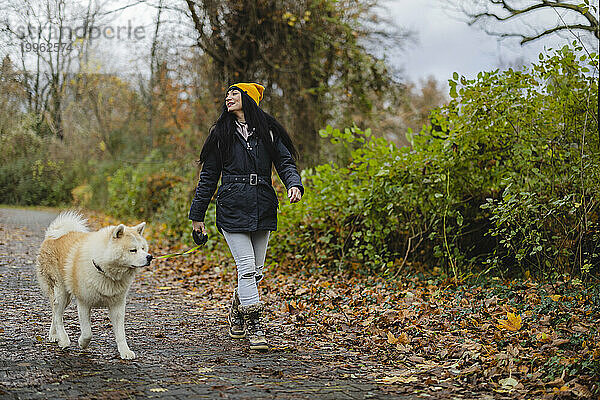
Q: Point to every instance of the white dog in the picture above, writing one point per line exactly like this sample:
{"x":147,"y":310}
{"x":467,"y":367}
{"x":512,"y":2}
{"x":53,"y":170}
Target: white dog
{"x":97,"y":268}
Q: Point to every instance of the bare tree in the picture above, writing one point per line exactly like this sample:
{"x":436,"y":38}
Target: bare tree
{"x":571,"y":15}
{"x":48,"y":45}
{"x":12,"y":96}
{"x":154,"y":65}
{"x":313,"y":55}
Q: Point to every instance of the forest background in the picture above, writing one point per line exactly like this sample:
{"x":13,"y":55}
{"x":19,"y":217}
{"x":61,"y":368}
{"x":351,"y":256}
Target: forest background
{"x":414,"y":190}
{"x":500,"y":176}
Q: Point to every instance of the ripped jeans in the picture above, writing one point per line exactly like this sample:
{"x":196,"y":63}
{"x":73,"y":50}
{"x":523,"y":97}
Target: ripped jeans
{"x":249,"y":250}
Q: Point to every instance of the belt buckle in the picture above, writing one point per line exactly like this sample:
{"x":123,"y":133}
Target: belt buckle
{"x":253,"y":179}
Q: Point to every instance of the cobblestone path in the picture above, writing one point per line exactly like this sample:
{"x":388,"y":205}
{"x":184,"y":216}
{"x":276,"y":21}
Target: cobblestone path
{"x":182,"y":352}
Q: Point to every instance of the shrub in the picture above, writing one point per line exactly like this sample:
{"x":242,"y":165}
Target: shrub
{"x":28,"y":176}
{"x":523,"y":144}
{"x":138,"y":191}
{"x":173,"y":214}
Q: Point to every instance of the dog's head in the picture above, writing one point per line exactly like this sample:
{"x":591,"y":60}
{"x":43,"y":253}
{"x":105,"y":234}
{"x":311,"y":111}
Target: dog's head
{"x":128,"y":246}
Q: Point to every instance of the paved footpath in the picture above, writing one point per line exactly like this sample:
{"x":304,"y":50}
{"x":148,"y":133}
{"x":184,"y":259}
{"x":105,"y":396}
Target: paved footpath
{"x":182,"y":352}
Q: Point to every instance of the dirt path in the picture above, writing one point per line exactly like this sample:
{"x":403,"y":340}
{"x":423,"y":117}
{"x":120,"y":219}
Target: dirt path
{"x":182,"y":352}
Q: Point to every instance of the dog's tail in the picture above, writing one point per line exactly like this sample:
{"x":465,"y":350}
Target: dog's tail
{"x":68,"y":221}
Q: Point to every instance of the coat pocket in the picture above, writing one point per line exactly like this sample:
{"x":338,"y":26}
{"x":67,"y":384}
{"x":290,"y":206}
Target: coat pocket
{"x":233,"y":207}
{"x":227,"y":191}
{"x":267,"y":201}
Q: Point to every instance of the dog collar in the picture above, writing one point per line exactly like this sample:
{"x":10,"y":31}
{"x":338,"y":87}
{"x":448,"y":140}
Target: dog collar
{"x":97,"y":267}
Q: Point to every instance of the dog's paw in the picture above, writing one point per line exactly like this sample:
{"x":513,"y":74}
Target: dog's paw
{"x":84,"y":342}
{"x":63,"y":344}
{"x":127,"y":354}
{"x":52,"y":338}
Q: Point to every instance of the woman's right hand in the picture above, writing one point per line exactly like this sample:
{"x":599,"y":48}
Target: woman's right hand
{"x":199,"y":227}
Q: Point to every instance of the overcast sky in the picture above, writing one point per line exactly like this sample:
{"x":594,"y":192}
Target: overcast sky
{"x":446,"y":44}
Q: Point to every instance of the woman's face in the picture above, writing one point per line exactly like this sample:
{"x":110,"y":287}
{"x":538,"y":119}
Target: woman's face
{"x":233,"y":101}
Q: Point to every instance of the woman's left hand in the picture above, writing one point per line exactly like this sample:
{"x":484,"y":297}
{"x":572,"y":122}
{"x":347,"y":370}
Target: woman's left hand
{"x":294,"y":194}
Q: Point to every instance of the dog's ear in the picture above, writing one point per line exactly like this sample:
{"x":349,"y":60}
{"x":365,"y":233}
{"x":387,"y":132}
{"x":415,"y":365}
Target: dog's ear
{"x":118,"y":231}
{"x":140,"y":228}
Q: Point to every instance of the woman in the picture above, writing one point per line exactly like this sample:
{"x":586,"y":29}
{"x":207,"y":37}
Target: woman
{"x":241,"y":148}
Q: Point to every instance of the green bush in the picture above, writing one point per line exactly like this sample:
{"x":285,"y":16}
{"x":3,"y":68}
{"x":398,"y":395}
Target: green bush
{"x":160,"y":192}
{"x":28,"y":176}
{"x":174,"y":215}
{"x":138,"y":191}
{"x":369,"y":214}
{"x":522,"y":144}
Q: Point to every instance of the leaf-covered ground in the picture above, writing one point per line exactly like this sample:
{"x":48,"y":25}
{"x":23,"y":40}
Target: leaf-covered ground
{"x":510,"y":338}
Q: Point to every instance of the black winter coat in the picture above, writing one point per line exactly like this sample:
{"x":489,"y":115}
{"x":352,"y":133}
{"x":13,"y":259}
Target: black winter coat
{"x":245,"y":203}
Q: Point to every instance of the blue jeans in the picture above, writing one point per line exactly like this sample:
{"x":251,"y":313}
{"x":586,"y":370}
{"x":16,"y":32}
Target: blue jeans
{"x":248,"y":250}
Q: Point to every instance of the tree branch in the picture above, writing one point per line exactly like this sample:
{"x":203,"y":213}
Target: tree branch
{"x":513,"y":12}
{"x":199,"y":29}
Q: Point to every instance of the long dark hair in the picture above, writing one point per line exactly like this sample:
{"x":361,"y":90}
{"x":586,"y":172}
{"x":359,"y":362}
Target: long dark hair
{"x":221,"y":133}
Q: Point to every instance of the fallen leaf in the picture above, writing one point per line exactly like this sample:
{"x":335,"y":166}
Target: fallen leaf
{"x":204,"y":370}
{"x":508,"y":383}
{"x":159,"y":390}
{"x":391,"y":338}
{"x":558,"y":382}
{"x":543,"y":337}
{"x":559,"y":342}
{"x":523,"y":369}
{"x":391,"y":316}
{"x":302,"y":290}
{"x":403,"y":338}
{"x":511,"y":323}
{"x":388,"y":380}
{"x":367,"y":321}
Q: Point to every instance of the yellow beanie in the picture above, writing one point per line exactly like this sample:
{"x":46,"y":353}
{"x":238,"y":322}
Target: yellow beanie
{"x":254,"y":90}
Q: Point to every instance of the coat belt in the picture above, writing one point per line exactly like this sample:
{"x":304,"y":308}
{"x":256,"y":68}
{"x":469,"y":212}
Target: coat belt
{"x":252,"y":179}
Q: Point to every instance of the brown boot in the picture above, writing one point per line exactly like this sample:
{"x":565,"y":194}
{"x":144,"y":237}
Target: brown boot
{"x":237,"y":330}
{"x":254,"y":327}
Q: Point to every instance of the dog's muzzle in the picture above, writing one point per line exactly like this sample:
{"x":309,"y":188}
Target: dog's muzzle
{"x":148,"y":259}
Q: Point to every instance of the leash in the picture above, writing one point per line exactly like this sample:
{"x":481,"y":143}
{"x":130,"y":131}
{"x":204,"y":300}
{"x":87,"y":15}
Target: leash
{"x":190,"y":251}
{"x":199,"y":240}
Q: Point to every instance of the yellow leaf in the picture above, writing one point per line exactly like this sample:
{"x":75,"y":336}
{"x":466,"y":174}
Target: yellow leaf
{"x":403,"y":338}
{"x":204,"y":370}
{"x":555,"y":297}
{"x":543,"y":337}
{"x":515,"y":320}
{"x":512,"y":323}
{"x":391,"y":338}
{"x":159,"y":390}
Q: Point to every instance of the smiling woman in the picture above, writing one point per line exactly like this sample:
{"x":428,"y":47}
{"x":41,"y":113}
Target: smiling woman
{"x":242,"y":147}
{"x":233,"y":102}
